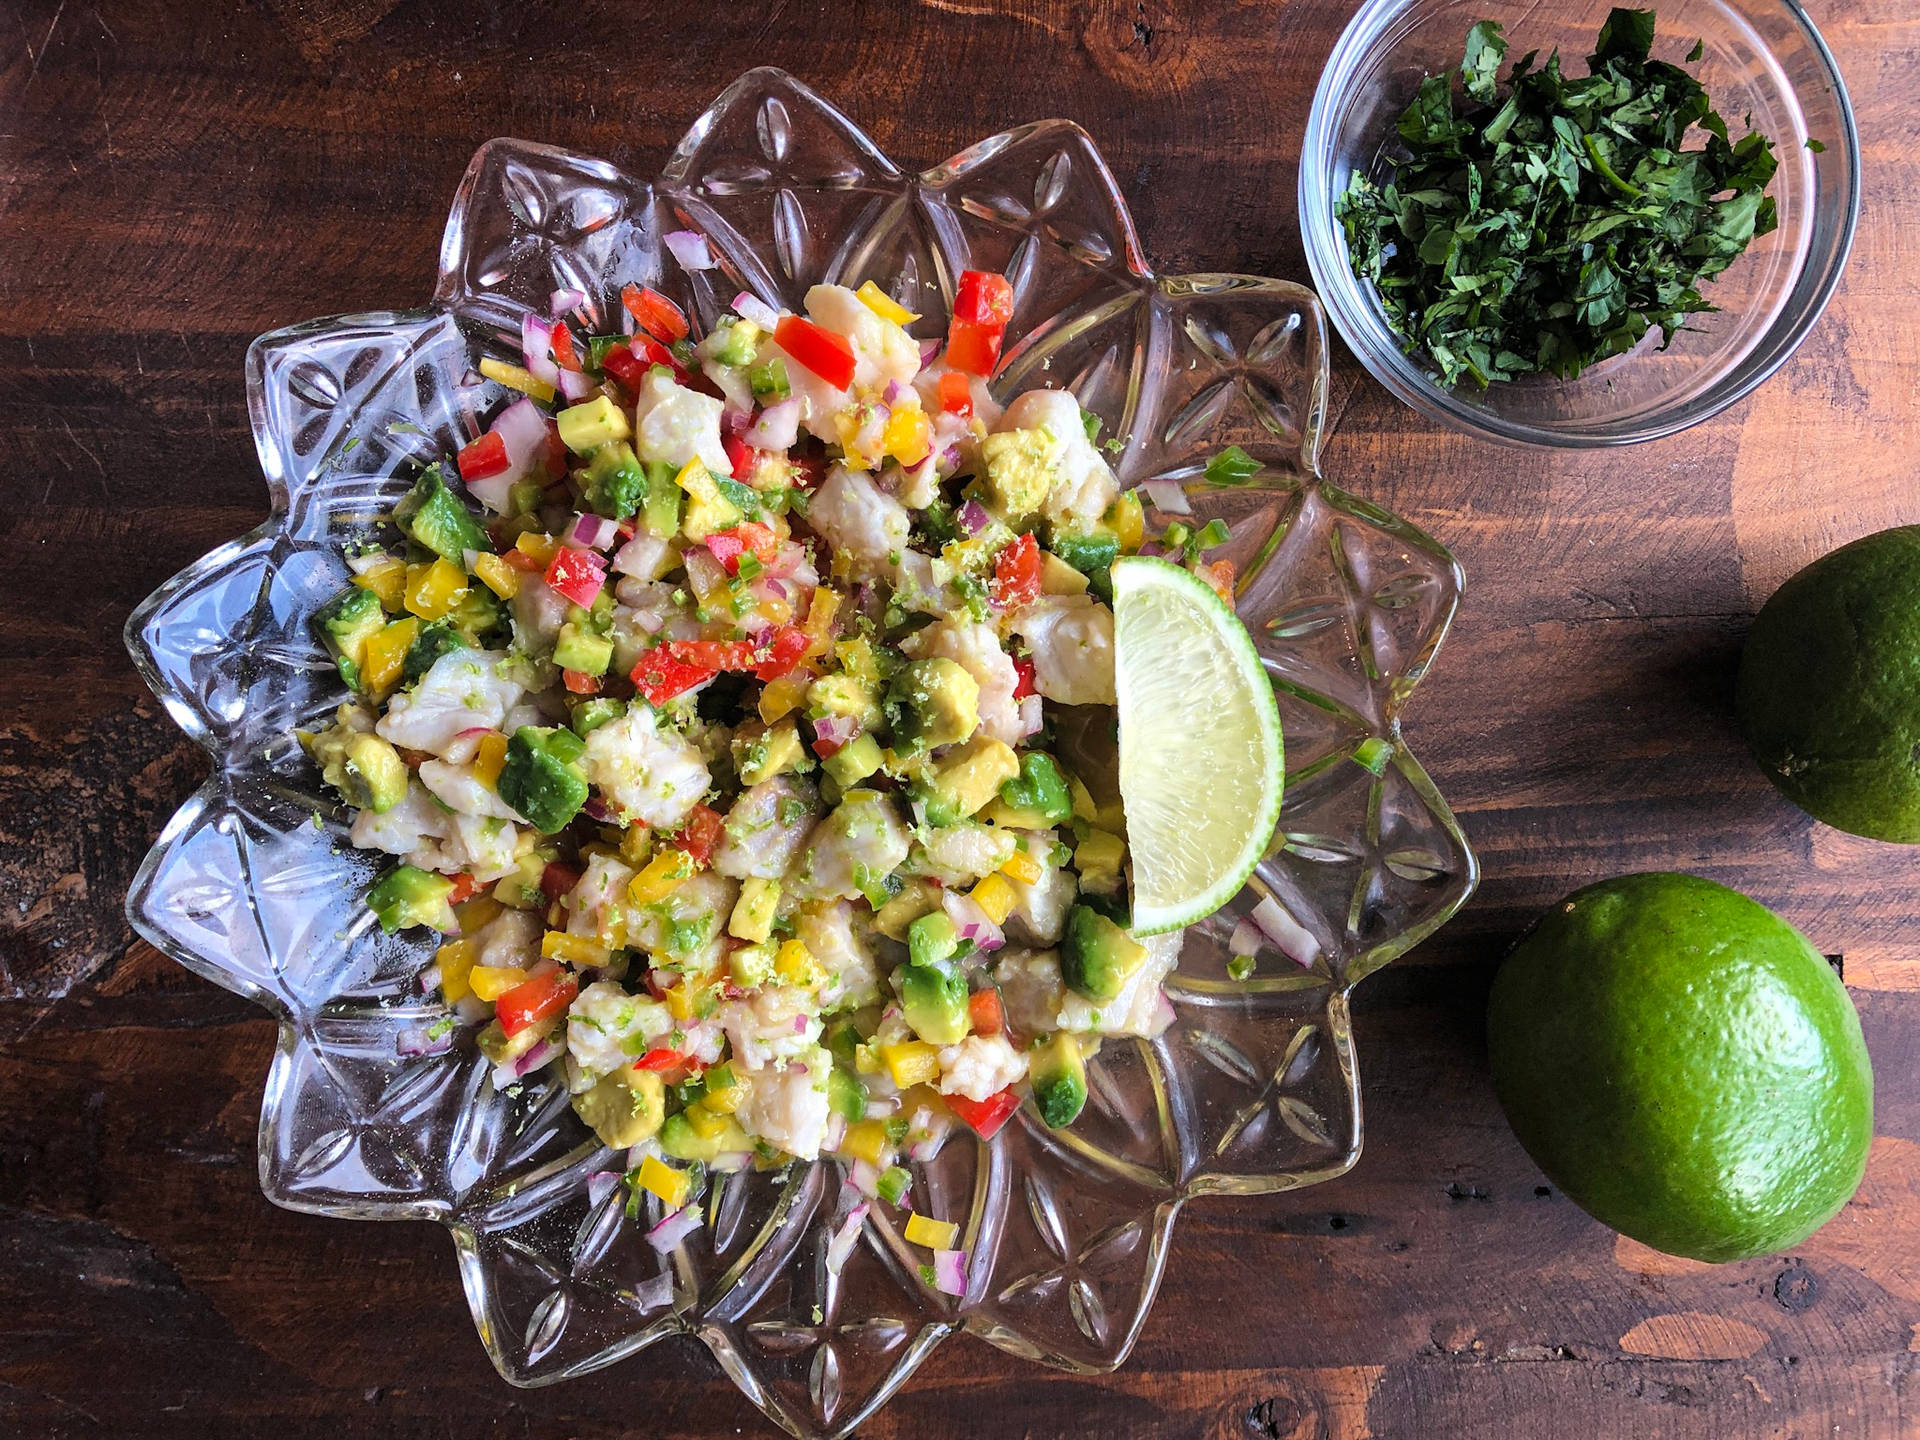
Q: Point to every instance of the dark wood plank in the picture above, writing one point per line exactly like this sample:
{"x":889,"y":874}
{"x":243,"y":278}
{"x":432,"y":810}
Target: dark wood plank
{"x":176,"y":178}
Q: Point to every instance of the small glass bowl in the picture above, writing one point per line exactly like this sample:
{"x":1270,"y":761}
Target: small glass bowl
{"x":1764,"y":66}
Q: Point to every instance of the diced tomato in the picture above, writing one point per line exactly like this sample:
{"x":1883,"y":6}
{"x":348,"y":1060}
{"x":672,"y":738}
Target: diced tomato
{"x":1023,"y":667}
{"x":564,"y":355}
{"x":973,"y":348}
{"x":956,"y":395}
{"x":578,"y":682}
{"x":740,"y":455}
{"x":485,"y":456}
{"x":700,"y":834}
{"x":714,"y":654}
{"x":984,"y":1116}
{"x":826,"y":354}
{"x":521,"y":560}
{"x":660,"y":675}
{"x":655,"y":313}
{"x":465,"y":887}
{"x":623,"y":365}
{"x":983,"y":1008}
{"x":1016,"y":574}
{"x":729,"y":545}
{"x":558,"y":879}
{"x":577,"y":574}
{"x":782,"y":653}
{"x":532,"y":1001}
{"x":983,"y":298}
{"x":556,"y":454}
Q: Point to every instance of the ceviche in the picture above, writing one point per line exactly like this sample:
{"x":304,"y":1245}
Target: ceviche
{"x":740,"y":708}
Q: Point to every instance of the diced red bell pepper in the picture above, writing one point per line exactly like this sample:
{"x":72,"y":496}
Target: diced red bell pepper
{"x":740,"y":455}
{"x":973,"y":348}
{"x":984,"y":1116}
{"x":826,"y":354}
{"x":555,"y":455}
{"x":564,"y":355}
{"x":520,"y":560}
{"x":983,"y":1009}
{"x":558,"y":879}
{"x":700,"y":834}
{"x":782,"y":653}
{"x":1016,"y":574}
{"x":465,"y":887}
{"x":659,"y":675}
{"x":578,"y":682}
{"x":485,"y":456}
{"x":1023,"y":667}
{"x":535,"y":1000}
{"x":714,"y":654}
{"x":655,"y":313}
{"x":956,"y":395}
{"x":670,"y":1065}
{"x":577,"y":574}
{"x":983,"y":297}
{"x":623,"y":365}
{"x":729,"y":545}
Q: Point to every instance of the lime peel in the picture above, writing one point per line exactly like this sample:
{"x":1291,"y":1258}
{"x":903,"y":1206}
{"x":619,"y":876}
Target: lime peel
{"x":1200,"y":745}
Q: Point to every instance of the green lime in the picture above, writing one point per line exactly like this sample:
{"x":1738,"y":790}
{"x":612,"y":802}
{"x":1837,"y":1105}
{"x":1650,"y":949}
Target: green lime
{"x":1829,"y":690}
{"x":1684,"y":1065}
{"x":1200,"y":770}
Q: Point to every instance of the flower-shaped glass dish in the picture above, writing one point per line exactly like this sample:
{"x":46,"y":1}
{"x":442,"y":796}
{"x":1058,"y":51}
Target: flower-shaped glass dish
{"x":1765,"y":67}
{"x":1252,"y":1089}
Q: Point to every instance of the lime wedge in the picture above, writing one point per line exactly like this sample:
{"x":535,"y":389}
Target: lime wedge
{"x":1200,"y":769}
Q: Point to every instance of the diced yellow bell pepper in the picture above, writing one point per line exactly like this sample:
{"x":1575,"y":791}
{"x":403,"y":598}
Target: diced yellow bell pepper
{"x":995,"y":896}
{"x":489,"y":759}
{"x":671,"y":1185}
{"x":385,"y":653}
{"x":793,"y":962}
{"x":515,"y":378}
{"x":864,"y":1060}
{"x":884,"y":305}
{"x":1129,"y":521}
{"x":934,"y":1234}
{"x":480,"y":911}
{"x":433,"y":590}
{"x":821,"y":611}
{"x":497,"y":575}
{"x":725,"y":1093}
{"x":847,"y":425}
{"x":538,"y":546}
{"x":752,"y":918}
{"x":866,"y":1140}
{"x":908,"y":436}
{"x":661,"y":877}
{"x":780,"y":698}
{"x":910,"y":1062}
{"x":574,"y":949}
{"x":680,"y":1000}
{"x":455,"y":959}
{"x":490,"y":982}
{"x":388,"y":581}
{"x":706,"y":1123}
{"x":1022,"y":867}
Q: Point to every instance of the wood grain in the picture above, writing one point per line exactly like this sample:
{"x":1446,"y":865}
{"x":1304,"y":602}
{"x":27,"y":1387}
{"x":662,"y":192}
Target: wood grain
{"x":177,"y":177}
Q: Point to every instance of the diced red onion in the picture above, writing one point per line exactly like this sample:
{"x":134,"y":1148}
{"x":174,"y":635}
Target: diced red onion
{"x":950,"y":1272}
{"x":674,"y":1228}
{"x":727,"y":1162}
{"x":928,"y":349}
{"x":800,"y":1023}
{"x":1168,"y":496}
{"x":600,"y":1184}
{"x":593,"y":532}
{"x":429,"y":979}
{"x":840,"y":1247}
{"x":577,"y":385}
{"x":689,"y":247}
{"x":733,"y":421}
{"x":471,"y":1009}
{"x":950,"y":457}
{"x":628,"y":324}
{"x":595,"y":808}
{"x":464,"y":746}
{"x":1288,"y":933}
{"x":361,"y":564}
{"x":538,"y":1056}
{"x":561,"y":301}
{"x":652,"y":1294}
{"x":892,"y":392}
{"x":1245,"y":939}
{"x":836,"y":730}
{"x":777,"y":427}
{"x":640,"y":556}
{"x":522,"y":428}
{"x":971,"y":921}
{"x":472,"y":380}
{"x":864,"y":1176}
{"x":415,"y":1040}
{"x":836,"y":1132}
{"x":1031,"y":715}
{"x":536,"y":349}
{"x":974,"y":517}
{"x":749,"y":306}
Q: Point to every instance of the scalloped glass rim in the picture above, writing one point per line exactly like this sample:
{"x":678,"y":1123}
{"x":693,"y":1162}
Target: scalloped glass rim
{"x":1254,"y":1087}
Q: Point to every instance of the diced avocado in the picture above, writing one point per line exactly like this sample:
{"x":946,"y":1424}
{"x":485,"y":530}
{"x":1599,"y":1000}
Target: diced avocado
{"x":660,"y":510}
{"x":931,"y":939}
{"x":590,"y":715}
{"x":844,"y":695}
{"x":932,"y":703}
{"x":624,"y":1107}
{"x":584,"y":428}
{"x":376,"y":776}
{"x":1092,"y":554}
{"x":733,"y":344}
{"x":1057,"y":577}
{"x":433,"y":516}
{"x":346,"y":623}
{"x":410,"y":896}
{"x":616,"y":481}
{"x":1059,"y":1075}
{"x":895,"y":919}
{"x":1020,"y":466}
{"x":436,"y":638}
{"x":1097,"y":957}
{"x":970,"y":778}
{"x":751,"y":966}
{"x":578,"y":648}
{"x":503,"y":1049}
{"x":774,"y":751}
{"x":541,"y":778}
{"x":842,"y":1038}
{"x":753,"y":912}
{"x":854,"y":761}
{"x":521,"y":890}
{"x":679,"y":1139}
{"x":933,"y":998}
{"x":708,"y":511}
{"x":1039,"y":789}
{"x":479,"y":615}
{"x":1098,"y":860}
{"x":846,"y":1096}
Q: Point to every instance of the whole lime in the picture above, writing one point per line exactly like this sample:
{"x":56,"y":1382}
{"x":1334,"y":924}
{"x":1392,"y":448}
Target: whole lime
{"x":1829,"y":688}
{"x":1684,"y":1065}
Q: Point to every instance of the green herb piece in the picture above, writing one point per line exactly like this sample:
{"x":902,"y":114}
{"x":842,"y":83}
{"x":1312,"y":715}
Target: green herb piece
{"x":1372,"y":754}
{"x":1232,"y":466}
{"x":1240,"y":967}
{"x":1549,"y":228}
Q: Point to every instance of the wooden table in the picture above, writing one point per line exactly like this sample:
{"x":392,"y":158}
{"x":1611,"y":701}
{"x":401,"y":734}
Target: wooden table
{"x":176,"y":177}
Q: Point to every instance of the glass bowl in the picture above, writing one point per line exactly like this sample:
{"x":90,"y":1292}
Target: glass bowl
{"x":1252,"y":1090}
{"x":1763,"y":59}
